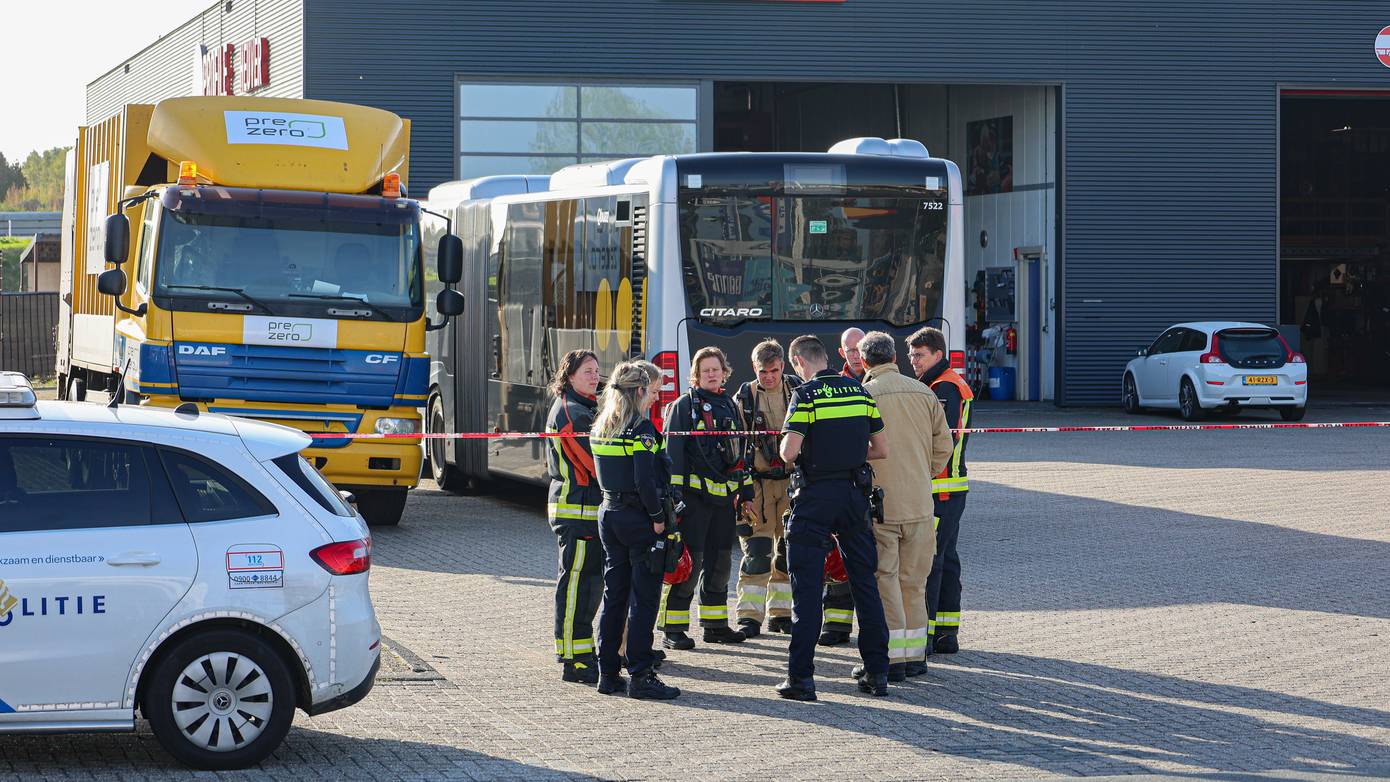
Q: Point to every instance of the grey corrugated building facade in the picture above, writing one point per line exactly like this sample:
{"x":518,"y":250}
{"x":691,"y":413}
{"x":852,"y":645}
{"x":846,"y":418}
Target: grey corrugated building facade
{"x":1145,"y":137}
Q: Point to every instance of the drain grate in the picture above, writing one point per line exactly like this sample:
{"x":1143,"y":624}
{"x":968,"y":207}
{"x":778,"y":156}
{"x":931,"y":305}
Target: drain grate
{"x":399,"y":664}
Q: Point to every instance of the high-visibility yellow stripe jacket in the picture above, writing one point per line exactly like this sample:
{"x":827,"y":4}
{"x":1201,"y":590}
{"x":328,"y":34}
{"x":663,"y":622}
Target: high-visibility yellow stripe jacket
{"x":957,"y":398}
{"x":574,"y":492}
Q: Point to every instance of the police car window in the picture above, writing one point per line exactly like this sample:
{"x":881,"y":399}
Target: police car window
{"x":207,"y":492}
{"x":69,"y":483}
{"x":313,"y":483}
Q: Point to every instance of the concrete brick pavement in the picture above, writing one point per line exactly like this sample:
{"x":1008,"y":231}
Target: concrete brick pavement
{"x":1169,"y":603}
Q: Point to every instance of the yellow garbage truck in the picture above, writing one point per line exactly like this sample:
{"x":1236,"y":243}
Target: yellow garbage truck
{"x":258,"y":257}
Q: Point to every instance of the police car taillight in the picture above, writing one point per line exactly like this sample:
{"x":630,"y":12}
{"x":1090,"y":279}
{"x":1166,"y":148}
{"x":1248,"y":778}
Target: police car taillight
{"x":345,"y":558}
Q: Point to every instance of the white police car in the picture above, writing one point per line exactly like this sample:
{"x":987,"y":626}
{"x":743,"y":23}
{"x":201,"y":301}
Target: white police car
{"x":193,"y":568}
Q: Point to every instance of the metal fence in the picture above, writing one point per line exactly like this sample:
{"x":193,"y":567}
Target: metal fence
{"x":29,"y":333}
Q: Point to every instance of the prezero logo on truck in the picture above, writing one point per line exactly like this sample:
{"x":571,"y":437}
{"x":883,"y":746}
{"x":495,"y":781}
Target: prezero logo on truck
{"x":279,"y":127}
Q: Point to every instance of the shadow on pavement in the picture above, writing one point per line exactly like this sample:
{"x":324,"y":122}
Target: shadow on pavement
{"x":1107,"y":720}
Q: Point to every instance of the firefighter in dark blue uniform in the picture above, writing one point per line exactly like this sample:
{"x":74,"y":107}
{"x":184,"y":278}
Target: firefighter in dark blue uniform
{"x":832,"y":430}
{"x":572,"y":510}
{"x":634,"y":474}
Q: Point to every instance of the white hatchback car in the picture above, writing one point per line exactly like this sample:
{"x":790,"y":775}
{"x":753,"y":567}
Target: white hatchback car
{"x":189,"y":566}
{"x":1226,"y":365}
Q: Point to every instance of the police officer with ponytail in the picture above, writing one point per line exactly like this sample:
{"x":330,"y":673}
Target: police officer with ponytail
{"x":634,"y":475}
{"x":707,"y":472}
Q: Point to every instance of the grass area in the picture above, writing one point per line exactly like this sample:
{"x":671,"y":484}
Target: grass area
{"x":10,"y":248}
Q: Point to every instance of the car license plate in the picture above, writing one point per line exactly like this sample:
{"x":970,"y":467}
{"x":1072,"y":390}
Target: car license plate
{"x":1261,"y":380}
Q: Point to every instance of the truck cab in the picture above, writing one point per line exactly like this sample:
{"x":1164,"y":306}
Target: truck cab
{"x":278,"y":281}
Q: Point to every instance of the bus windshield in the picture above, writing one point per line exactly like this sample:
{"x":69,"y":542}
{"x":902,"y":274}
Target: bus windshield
{"x":292,"y":264}
{"x":877,"y":256}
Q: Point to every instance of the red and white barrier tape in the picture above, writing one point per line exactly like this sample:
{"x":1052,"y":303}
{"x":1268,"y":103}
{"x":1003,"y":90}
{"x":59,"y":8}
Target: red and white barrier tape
{"x":985,"y":430}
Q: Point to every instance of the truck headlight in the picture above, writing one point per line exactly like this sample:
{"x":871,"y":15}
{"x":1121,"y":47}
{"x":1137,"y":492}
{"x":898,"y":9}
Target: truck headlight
{"x":397,"y":426}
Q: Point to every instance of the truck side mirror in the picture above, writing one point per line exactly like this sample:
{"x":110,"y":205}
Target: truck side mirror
{"x":449,"y":302}
{"x":450,"y":259}
{"x":117,"y":239}
{"x":112,"y":281}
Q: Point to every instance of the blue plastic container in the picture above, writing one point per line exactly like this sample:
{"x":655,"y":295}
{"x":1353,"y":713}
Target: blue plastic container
{"x":1003,"y":383}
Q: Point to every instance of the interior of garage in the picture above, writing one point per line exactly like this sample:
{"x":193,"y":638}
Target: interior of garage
{"x":1334,"y":237}
{"x":1003,"y":138}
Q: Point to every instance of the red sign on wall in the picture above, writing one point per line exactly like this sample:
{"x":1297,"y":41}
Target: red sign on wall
{"x":1383,"y":47}
{"x":217,"y":70}
{"x":254,"y":61}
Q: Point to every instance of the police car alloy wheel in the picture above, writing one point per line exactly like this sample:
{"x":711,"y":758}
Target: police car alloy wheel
{"x":220,"y":700}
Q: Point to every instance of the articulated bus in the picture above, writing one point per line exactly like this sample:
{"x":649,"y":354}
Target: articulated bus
{"x":657,"y":257}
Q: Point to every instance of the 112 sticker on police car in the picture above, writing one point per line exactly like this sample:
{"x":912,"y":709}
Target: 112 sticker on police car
{"x":255,"y":566}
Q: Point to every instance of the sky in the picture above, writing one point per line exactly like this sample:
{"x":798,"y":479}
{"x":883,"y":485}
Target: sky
{"x":53,"y":48}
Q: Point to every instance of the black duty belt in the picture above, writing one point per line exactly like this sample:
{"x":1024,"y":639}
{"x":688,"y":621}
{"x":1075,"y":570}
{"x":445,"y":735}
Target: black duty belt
{"x":772,"y":475}
{"x":833,"y":475}
{"x":622,"y":497}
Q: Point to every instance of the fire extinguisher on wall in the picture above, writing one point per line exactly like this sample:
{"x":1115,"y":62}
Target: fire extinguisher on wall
{"x":1011,"y":341}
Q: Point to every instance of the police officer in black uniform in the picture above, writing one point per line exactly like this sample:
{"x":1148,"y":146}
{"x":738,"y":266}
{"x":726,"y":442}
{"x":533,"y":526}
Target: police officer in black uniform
{"x":833,"y":428}
{"x":634,"y":473}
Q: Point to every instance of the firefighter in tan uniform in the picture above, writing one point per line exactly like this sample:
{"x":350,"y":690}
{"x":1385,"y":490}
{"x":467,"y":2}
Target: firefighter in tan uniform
{"x":764,"y":588}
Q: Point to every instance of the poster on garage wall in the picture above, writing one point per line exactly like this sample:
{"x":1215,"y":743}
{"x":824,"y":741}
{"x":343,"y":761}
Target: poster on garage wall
{"x":990,"y":156}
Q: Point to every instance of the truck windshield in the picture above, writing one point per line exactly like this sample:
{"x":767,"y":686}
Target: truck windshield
{"x":292,"y":265}
{"x":814,"y":257}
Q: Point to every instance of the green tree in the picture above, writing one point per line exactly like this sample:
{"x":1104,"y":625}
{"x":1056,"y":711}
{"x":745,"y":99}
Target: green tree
{"x":38,"y":186}
{"x":10,"y":177}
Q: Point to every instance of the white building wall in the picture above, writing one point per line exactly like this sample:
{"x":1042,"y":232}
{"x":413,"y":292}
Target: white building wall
{"x":167,"y":67}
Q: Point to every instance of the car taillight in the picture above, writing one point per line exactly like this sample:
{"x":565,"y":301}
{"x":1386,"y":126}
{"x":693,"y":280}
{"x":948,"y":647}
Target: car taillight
{"x":1212,"y":356}
{"x":957,"y":359}
{"x":1289,"y":355}
{"x":344,"y":558}
{"x":667,"y":362}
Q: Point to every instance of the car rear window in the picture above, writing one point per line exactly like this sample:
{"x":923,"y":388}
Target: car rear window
{"x":297,"y":469}
{"x":1239,"y":345}
{"x":208,"y":492}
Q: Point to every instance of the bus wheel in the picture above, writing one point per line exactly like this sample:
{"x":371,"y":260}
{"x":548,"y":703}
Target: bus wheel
{"x":381,"y":507}
{"x":449,"y":477}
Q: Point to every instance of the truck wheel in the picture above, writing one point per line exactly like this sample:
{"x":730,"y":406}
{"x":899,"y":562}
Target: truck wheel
{"x":381,"y":507}
{"x":449,"y":477}
{"x":220,"y":700}
{"x":77,"y":390}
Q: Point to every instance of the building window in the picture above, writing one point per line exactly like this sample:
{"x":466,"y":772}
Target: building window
{"x":510,"y":128}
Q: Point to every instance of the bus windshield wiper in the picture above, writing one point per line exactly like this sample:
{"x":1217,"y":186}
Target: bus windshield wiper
{"x":341,"y":297}
{"x":238,"y":291}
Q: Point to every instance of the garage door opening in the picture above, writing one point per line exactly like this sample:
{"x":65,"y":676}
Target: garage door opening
{"x":1334,"y":238}
{"x":1004,"y":140}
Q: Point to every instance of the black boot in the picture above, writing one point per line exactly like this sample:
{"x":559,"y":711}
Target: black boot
{"x":646,"y":686}
{"x":797,"y":689}
{"x":876,"y":683}
{"x":833,"y":637}
{"x":897,"y":672}
{"x":780,"y":624}
{"x":917,"y":668}
{"x":724,"y":635}
{"x":658,"y":657}
{"x":751,"y":628}
{"x":584,"y":673}
{"x":946,"y":644}
{"x":678,"y":640}
{"x":612,"y":684}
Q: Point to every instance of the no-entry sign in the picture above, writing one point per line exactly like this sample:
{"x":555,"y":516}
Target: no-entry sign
{"x":1383,"y":47}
